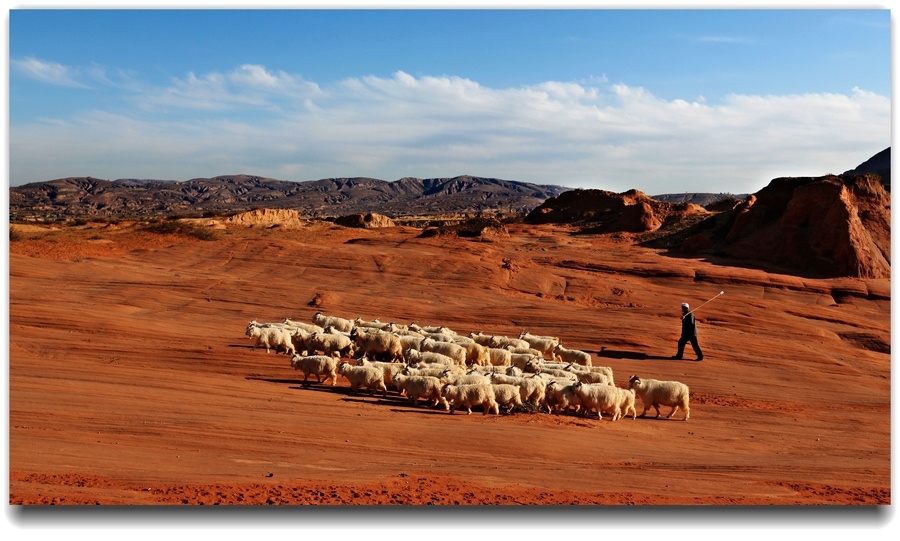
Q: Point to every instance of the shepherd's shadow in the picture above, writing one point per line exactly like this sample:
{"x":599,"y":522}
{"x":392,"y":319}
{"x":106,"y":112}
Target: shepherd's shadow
{"x":631,"y":355}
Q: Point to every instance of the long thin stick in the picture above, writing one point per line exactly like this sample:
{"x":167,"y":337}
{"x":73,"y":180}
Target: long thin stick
{"x":704,"y":304}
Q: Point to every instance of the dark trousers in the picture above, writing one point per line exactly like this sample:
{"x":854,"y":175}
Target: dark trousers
{"x":694,"y":344}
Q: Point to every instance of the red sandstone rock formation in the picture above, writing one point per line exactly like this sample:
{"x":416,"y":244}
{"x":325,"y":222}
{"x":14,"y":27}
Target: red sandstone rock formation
{"x":366,"y":221}
{"x":608,"y":212}
{"x":823,"y":226}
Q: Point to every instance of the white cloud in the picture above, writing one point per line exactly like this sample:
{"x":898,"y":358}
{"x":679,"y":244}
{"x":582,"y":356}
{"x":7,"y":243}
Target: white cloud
{"x":48,"y":72}
{"x":248,"y":86}
{"x":589,"y":134}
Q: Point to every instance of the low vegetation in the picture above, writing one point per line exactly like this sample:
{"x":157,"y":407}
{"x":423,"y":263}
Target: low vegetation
{"x":174,"y":226}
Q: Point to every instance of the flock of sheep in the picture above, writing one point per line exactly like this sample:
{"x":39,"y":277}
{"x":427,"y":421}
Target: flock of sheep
{"x":453,"y":371}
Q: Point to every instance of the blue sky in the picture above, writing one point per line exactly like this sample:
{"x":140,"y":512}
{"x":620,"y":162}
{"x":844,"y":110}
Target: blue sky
{"x":662,"y":100}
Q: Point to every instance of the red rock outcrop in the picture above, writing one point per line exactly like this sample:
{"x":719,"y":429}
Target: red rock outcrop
{"x":266,"y":218}
{"x":366,"y":221}
{"x":822,"y":226}
{"x":608,"y":212}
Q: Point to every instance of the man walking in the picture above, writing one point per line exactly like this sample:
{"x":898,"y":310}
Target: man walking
{"x":688,"y":333}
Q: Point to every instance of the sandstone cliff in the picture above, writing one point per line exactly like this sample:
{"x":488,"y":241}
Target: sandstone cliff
{"x":823,"y":226}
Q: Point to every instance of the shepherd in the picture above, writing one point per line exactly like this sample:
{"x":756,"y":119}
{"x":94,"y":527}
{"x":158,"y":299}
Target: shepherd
{"x":688,"y":332}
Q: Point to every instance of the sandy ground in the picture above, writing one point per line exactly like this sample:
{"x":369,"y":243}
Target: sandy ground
{"x":131,"y":380}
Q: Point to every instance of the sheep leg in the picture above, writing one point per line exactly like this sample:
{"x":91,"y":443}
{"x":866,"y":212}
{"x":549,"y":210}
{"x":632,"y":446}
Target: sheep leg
{"x":656,"y":407}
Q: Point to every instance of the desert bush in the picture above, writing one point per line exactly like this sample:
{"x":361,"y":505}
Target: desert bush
{"x":174,"y":227}
{"x":15,"y":235}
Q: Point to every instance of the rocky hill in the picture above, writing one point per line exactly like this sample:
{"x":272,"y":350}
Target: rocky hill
{"x":880,"y":164}
{"x":82,"y":197}
{"x":601,"y":211}
{"x":701,"y":199}
{"x":824,"y":226}
{"x":829,"y":226}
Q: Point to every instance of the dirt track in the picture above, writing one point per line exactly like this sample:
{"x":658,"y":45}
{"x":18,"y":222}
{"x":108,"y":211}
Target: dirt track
{"x":131,"y":380}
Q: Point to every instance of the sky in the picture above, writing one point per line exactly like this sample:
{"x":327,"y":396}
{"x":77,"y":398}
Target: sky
{"x":663,"y":100}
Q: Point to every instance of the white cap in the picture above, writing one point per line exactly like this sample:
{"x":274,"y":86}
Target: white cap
{"x":685,"y":305}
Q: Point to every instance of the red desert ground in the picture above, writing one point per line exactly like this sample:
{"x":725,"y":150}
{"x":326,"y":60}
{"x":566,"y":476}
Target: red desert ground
{"x":131,"y":379}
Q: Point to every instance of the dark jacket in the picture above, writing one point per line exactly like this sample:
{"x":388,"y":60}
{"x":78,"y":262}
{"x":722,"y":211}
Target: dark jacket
{"x":688,"y":326}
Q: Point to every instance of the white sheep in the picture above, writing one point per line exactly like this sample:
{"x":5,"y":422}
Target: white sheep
{"x":377,"y":344}
{"x":331,"y":329}
{"x":317,"y":365}
{"x":397,"y":329}
{"x":467,"y":396}
{"x":607,"y":370}
{"x":593,"y":377}
{"x":487,"y":370}
{"x":544,"y":344}
{"x":507,"y":395}
{"x":481,"y":338}
{"x":271,"y":337}
{"x":599,"y":398}
{"x":410,"y":341}
{"x":336,"y":345}
{"x":520,"y":360}
{"x":448,"y":376}
{"x":559,"y":397}
{"x":370,"y":377}
{"x":439,"y":329}
{"x":414,"y":356}
{"x":300,"y":339}
{"x":374,"y":324}
{"x":389,"y":369}
{"x":338,"y":323}
{"x":531,"y":389}
{"x":556,"y":373}
{"x":499,"y":356}
{"x":572,"y":355}
{"x":626,"y":402}
{"x":439,"y":337}
{"x":476,"y":354}
{"x":425,"y":370}
{"x":499,"y":341}
{"x":308,"y":327}
{"x":529,"y":351}
{"x":420,"y":387}
{"x":454,"y":351}
{"x":655,"y":393}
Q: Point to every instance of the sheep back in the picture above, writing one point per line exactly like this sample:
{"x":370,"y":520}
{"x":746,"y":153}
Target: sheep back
{"x":657,"y":393}
{"x":468,"y":396}
{"x":317,"y":365}
{"x":370,"y":377}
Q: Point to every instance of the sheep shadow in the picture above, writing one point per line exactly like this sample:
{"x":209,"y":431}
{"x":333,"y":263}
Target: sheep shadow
{"x":279,"y":381}
{"x":300,"y":385}
{"x":631,"y":355}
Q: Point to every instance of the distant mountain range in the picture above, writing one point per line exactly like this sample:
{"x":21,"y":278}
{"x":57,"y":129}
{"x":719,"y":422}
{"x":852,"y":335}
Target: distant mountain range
{"x":80,"y":197}
{"x":129,"y":198}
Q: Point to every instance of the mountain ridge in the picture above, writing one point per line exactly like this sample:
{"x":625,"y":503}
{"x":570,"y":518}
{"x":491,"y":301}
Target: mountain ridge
{"x":75,"y":197}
